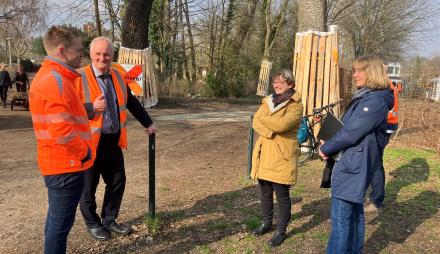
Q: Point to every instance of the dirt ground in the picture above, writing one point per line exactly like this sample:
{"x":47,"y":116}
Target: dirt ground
{"x":205,"y":204}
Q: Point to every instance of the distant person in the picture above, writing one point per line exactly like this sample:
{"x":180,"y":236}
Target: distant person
{"x":106,"y":97}
{"x":375,"y":201}
{"x":62,"y":131}
{"x":5,"y":83}
{"x":362,"y":140}
{"x":275,"y":156}
{"x":21,"y":79}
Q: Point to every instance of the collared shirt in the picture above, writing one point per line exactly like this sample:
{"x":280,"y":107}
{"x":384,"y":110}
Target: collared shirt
{"x":107,"y":121}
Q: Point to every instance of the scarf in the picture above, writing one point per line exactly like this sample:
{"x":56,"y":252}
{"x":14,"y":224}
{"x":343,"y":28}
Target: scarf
{"x":280,"y":98}
{"x":361,"y":92}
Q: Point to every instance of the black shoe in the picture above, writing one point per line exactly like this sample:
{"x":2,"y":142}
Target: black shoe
{"x":277,"y":239}
{"x":99,"y":233}
{"x":118,"y":228}
{"x":263,"y":229}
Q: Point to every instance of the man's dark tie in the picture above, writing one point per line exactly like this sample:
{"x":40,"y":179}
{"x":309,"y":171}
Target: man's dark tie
{"x":110,"y":101}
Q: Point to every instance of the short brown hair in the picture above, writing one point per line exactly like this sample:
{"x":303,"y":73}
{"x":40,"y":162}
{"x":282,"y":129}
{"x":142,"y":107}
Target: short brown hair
{"x":287,"y":75}
{"x":373,"y":66}
{"x":59,"y":35}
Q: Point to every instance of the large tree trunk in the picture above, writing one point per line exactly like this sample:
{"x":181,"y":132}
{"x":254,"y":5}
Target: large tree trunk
{"x":97,"y":18}
{"x":135,"y":24}
{"x":311,"y":15}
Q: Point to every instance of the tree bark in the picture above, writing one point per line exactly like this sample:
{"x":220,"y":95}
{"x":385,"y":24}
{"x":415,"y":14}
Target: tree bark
{"x":272,"y":27}
{"x":183,"y":43}
{"x":310,"y":15}
{"x":135,"y":24}
{"x":191,"y":44}
{"x":97,"y":18}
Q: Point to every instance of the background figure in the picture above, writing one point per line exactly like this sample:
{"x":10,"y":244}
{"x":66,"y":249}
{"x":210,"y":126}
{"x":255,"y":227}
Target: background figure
{"x":62,"y":131}
{"x":275,"y":156}
{"x":21,"y":79}
{"x":106,"y":97}
{"x":362,"y":140}
{"x":375,"y":202}
{"x":5,"y":83}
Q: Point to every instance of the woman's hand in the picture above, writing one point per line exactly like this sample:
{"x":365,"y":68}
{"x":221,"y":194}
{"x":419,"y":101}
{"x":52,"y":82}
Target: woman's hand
{"x":323,"y":156}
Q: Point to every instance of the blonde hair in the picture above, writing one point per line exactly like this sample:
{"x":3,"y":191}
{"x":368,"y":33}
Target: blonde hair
{"x":59,"y":35}
{"x":373,"y":66}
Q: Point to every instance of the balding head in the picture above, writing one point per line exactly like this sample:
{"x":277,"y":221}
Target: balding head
{"x":101,"y":53}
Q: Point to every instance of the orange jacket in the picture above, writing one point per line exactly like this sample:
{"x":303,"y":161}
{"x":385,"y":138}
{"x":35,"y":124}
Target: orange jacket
{"x":392,"y":114}
{"x":60,"y":122}
{"x":88,"y":89}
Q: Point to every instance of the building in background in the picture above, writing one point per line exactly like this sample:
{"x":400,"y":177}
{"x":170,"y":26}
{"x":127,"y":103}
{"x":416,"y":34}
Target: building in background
{"x":393,"y":70}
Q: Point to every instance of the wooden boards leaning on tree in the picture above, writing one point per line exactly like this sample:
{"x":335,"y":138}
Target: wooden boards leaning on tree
{"x":316,"y":68}
{"x":147,"y":81}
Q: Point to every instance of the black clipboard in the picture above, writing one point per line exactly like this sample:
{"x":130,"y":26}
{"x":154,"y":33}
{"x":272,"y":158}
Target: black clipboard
{"x":330,"y":125}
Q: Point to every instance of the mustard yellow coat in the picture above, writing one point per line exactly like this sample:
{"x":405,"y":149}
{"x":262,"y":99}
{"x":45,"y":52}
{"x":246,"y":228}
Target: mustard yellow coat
{"x":275,"y":156}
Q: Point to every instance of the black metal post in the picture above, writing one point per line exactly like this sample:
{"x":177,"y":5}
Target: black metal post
{"x":250,"y":146}
{"x":152,"y":176}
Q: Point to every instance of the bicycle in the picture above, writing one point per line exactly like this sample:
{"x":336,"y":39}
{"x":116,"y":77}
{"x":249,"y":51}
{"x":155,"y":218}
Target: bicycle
{"x":310,"y":147}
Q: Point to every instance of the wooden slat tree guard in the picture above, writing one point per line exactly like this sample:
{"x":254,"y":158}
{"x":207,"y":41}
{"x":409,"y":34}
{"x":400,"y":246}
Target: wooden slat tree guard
{"x":316,"y":68}
{"x":143,"y":58}
{"x":263,"y":80}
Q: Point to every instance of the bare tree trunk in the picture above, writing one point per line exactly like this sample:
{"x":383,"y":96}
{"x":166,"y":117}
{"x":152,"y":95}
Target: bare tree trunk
{"x":174,"y":50}
{"x":245,"y":24}
{"x":273,"y":27}
{"x":183,"y":42}
{"x":191,"y":44}
{"x":310,"y":15}
{"x":97,"y":19}
{"x":212,"y":38}
{"x":113,"y":18}
{"x":135,"y":24}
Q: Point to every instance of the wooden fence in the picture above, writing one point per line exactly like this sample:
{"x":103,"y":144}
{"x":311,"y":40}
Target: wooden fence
{"x":263,"y":80}
{"x":144,"y":59}
{"x":316,"y":68}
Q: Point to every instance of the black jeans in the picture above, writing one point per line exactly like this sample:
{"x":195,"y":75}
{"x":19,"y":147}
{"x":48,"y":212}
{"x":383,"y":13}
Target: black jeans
{"x":110,"y":164}
{"x":4,"y":94}
{"x":64,"y":192}
{"x":284,"y":203}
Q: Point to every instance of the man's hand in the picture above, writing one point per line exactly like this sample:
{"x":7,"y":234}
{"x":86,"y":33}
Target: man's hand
{"x":151,"y":129}
{"x":99,"y":104}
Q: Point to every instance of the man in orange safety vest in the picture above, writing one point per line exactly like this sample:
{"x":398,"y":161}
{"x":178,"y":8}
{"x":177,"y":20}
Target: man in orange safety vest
{"x":107,"y":98}
{"x":64,"y":139}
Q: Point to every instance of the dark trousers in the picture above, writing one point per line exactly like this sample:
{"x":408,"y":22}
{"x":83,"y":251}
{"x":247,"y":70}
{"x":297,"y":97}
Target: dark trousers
{"x":4,"y":94}
{"x":109,"y":164}
{"x":284,"y":203}
{"x":64,"y":192}
{"x":377,"y":194}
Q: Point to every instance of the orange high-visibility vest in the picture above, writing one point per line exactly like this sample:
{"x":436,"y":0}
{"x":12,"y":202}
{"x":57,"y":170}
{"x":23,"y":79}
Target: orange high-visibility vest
{"x":60,"y":122}
{"x":89,"y":90}
{"x":392,"y":114}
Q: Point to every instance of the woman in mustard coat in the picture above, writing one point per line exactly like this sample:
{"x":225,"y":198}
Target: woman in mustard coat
{"x":275,"y":157}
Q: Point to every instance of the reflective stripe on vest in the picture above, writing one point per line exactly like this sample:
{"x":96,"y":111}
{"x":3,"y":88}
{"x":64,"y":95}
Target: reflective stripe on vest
{"x":59,"y":118}
{"x":59,"y":81}
{"x":85,"y":86}
{"x":122,"y":85}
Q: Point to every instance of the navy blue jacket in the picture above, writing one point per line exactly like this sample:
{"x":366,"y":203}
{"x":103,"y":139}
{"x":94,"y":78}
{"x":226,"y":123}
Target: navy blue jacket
{"x":362,"y":141}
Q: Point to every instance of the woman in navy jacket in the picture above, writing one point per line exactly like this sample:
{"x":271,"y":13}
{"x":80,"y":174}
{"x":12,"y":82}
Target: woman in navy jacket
{"x":361,"y":142}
